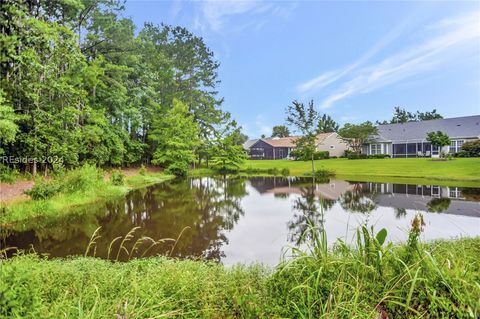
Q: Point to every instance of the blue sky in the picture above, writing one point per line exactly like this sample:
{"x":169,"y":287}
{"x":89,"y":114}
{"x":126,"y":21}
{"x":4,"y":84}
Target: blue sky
{"x":356,"y":60}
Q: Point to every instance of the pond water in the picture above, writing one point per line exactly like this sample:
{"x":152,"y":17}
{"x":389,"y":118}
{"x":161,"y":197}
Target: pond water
{"x":250,"y":219}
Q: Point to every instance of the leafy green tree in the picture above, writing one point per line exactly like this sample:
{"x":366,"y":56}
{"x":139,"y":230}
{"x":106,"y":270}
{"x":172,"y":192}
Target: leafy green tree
{"x":438,"y":205}
{"x":356,"y":135}
{"x":438,"y":139}
{"x":228,"y":151}
{"x":176,"y":137}
{"x":304,"y":119}
{"x":402,"y":116}
{"x":8,"y":127}
{"x":425,"y":116}
{"x":280,"y":131}
{"x":326,"y":124}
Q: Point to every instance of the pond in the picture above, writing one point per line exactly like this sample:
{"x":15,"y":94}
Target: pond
{"x":246,"y":220}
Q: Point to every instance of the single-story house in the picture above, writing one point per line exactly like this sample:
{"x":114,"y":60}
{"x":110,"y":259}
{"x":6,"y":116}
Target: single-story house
{"x":410,"y":139}
{"x":280,"y":147}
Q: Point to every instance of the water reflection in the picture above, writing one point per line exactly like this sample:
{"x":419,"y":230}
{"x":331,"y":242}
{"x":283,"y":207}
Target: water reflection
{"x":245,"y":220}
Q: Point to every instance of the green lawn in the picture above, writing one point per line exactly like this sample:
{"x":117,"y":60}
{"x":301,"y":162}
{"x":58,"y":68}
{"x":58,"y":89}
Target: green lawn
{"x":460,"y":169}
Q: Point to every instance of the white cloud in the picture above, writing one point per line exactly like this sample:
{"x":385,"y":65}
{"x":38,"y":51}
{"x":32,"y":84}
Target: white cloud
{"x":455,"y":38}
{"x":216,"y":15}
{"x":329,"y":77}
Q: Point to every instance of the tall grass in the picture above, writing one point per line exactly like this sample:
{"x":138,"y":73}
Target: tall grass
{"x":373,"y":279}
{"x":412,"y":280}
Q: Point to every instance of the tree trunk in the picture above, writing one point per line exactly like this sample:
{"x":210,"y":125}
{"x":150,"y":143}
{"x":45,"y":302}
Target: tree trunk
{"x":313,"y":166}
{"x":34,"y":168}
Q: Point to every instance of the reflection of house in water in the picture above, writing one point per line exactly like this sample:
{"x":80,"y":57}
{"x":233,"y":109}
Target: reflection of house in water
{"x":421,"y":197}
{"x":286,"y":186}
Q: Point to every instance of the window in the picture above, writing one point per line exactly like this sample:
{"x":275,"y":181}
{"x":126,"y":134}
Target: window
{"x":455,"y":146}
{"x":454,"y":192}
{"x":375,"y":149}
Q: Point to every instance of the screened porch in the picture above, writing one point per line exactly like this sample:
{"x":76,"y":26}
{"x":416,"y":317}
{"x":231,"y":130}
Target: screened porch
{"x":422,"y":149}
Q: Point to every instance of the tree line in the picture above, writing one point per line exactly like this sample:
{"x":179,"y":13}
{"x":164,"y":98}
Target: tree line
{"x":80,"y":84}
{"x":326,"y":124}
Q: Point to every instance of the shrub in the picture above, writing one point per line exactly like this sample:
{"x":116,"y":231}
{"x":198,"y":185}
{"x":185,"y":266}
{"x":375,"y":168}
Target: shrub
{"x":177,"y":169}
{"x":273,"y":171}
{"x":318,"y":155}
{"x":471,"y":149}
{"x":142,"y":170}
{"x":81,"y":179}
{"x":353,"y":156}
{"x":333,"y":156}
{"x":117,"y":178}
{"x":321,"y":155}
{"x":43,"y":189}
{"x":285,"y":172}
{"x":7,"y":174}
{"x":347,"y":152}
{"x":379,"y":156}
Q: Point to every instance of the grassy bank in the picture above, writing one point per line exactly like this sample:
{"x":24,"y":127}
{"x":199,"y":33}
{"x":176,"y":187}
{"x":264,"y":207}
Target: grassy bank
{"x":437,"y":280}
{"x":465,"y":170}
{"x":80,"y":187}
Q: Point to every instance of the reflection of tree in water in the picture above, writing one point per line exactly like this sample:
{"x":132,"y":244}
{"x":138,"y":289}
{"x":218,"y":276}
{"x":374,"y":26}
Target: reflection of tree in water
{"x":308,"y":215}
{"x":208,"y":206}
{"x":358,"y":200}
{"x":438,"y":205}
{"x":400,"y":213}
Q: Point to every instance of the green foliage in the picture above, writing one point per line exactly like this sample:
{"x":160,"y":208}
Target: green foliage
{"x":43,"y":189}
{"x":356,"y":135}
{"x":142,"y":170}
{"x":471,"y":149}
{"x":379,"y":156}
{"x":299,"y":155}
{"x":402,"y":116}
{"x":305,"y":120}
{"x":82,"y":179}
{"x":87,"y":88}
{"x":438,"y":139}
{"x":228,"y":152}
{"x":176,"y":136}
{"x":285,"y":172}
{"x":323,"y":173}
{"x":439,"y":279}
{"x":354,"y":156}
{"x":117,"y":178}
{"x":326,"y":124}
{"x":8,"y":174}
{"x":280,"y":131}
{"x":438,"y":205}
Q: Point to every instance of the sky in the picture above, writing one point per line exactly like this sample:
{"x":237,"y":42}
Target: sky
{"x":357,"y":60}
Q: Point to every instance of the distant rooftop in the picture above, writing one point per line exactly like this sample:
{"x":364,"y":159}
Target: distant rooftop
{"x":290,"y":140}
{"x":457,"y":127}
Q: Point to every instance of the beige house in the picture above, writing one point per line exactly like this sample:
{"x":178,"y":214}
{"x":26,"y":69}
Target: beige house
{"x":332,"y":143}
{"x":280,"y":147}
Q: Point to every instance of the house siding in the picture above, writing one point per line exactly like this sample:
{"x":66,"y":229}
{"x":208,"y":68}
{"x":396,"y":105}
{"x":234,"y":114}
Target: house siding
{"x":261,"y":150}
{"x":334,"y":145}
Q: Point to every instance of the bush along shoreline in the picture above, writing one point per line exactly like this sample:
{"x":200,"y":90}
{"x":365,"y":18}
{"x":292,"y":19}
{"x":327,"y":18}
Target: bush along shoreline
{"x":67,"y":190}
{"x":374,"y":279}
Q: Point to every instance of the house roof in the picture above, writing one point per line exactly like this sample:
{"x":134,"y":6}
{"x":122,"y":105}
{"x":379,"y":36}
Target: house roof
{"x":457,"y":127}
{"x":290,"y":141}
{"x":249,"y":143}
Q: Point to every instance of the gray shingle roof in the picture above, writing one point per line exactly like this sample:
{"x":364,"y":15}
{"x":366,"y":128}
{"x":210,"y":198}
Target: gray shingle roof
{"x":249,"y":143}
{"x":457,"y":127}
